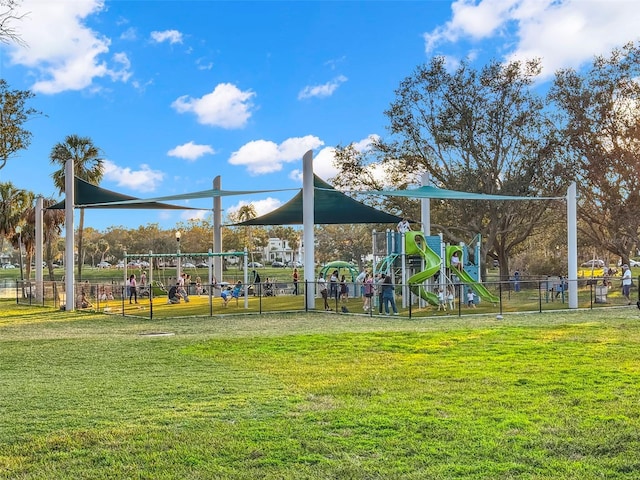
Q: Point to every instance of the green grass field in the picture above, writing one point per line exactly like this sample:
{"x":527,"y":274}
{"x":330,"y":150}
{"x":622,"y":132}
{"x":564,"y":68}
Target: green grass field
{"x":552,"y":395}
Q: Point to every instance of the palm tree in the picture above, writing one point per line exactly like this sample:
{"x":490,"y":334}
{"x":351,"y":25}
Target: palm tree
{"x":244,"y":213}
{"x":13,"y":201}
{"x":87,"y":165}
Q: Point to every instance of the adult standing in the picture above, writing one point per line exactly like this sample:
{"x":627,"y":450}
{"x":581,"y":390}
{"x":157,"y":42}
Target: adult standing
{"x":256,"y":283}
{"x":626,"y":282}
{"x":295,"y":281}
{"x":368,"y":292}
{"x":344,"y":290}
{"x":133,"y":291}
{"x":322,"y":288}
{"x":333,"y":286}
{"x":388,"y":296}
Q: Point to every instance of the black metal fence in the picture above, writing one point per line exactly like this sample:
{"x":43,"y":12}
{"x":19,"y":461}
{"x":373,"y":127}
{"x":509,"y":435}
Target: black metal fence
{"x":153,"y":301}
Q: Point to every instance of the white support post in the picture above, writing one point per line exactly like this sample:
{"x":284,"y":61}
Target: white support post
{"x":425,"y":208}
{"x":246,"y":278}
{"x":69,"y":257}
{"x":150,"y":277}
{"x":404,"y":276}
{"x":39,"y":248}
{"x":572,"y":245}
{"x":217,"y":230}
{"x":308,"y":222}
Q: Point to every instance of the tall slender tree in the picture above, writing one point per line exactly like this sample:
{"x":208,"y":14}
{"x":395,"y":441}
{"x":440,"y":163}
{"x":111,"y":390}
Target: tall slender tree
{"x":244,"y":213}
{"x":87,"y":165}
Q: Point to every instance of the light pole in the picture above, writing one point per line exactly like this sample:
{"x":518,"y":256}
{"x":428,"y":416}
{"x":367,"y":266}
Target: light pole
{"x":19,"y":232}
{"x":178,"y":235}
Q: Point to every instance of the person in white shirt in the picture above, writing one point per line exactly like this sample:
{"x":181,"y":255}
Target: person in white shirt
{"x":442,"y":304}
{"x":626,"y":282}
{"x":404,"y":226}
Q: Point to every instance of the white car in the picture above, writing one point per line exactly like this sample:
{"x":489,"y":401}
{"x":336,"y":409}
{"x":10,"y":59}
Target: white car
{"x":594,"y":264}
{"x":103,"y":265}
{"x":188,"y":265}
{"x":255,"y":265}
{"x":632,"y":263}
{"x":8,"y":266}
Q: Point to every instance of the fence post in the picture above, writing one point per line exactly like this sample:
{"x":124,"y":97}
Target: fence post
{"x":540,"y":296}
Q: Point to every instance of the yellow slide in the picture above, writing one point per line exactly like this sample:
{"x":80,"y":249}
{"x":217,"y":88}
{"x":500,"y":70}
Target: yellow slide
{"x":416,"y":244}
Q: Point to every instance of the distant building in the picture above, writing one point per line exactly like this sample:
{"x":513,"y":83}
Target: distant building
{"x":278,"y":249}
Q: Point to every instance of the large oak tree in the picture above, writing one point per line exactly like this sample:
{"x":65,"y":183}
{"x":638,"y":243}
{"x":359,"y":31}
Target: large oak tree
{"x":600,"y":118}
{"x":482,"y":131}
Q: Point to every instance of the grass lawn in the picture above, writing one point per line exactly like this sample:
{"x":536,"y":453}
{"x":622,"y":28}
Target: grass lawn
{"x":295,"y":396}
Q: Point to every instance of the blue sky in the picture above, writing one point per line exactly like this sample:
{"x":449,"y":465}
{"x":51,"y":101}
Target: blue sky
{"x":177,"y":92}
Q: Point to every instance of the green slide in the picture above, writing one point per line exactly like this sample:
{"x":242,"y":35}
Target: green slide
{"x":416,"y":244}
{"x":465,"y":278}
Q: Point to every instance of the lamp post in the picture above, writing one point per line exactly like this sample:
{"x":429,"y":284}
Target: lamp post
{"x":19,"y":232}
{"x":178,"y":235}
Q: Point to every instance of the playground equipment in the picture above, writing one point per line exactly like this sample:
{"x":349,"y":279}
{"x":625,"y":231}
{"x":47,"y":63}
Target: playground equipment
{"x":341,"y":266}
{"x":416,"y":244}
{"x":434,"y":270}
{"x":467,"y":279}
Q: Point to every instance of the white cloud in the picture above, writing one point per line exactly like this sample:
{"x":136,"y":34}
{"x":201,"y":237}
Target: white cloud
{"x":324,"y":162}
{"x":263,"y":156}
{"x":190,"y":151}
{"x":129,"y":34}
{"x":325,"y":90}
{"x":227,"y":106}
{"x":563,"y":33}
{"x":62,"y":52}
{"x":365,"y":144}
{"x":195,"y":214}
{"x":323,"y":166}
{"x":143,"y":180}
{"x":203,"y":64}
{"x":171,"y":36}
{"x":262,"y":207}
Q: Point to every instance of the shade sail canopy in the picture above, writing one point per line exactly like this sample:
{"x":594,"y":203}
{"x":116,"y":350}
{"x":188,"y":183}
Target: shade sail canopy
{"x":88,"y":195}
{"x":440,"y":193}
{"x":331,"y":207}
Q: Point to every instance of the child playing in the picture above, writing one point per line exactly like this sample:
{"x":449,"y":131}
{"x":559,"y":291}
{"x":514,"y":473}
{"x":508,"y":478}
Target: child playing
{"x":441,"y":300}
{"x":470,"y":298}
{"x":225,"y":295}
{"x":237,"y":290}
